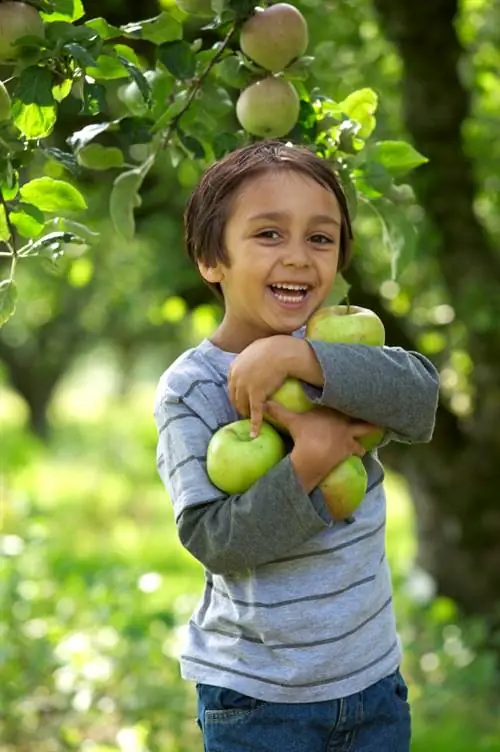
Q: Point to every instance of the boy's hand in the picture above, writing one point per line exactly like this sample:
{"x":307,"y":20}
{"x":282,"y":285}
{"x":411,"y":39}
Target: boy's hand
{"x":256,"y":373}
{"x":323,"y":438}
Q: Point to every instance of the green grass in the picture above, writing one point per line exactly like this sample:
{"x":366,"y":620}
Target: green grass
{"x":97,"y":589}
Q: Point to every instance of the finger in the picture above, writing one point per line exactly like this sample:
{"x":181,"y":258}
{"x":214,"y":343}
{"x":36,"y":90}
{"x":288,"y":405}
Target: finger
{"x":241,"y":402}
{"x":360,"y":428}
{"x":358,"y":449}
{"x":256,"y":417}
{"x":278,"y":412}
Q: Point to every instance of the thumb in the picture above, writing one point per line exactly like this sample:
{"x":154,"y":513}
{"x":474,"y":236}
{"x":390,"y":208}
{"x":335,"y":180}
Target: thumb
{"x":278,"y":412}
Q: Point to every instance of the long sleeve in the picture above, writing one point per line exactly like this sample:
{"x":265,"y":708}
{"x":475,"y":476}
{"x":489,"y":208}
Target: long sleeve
{"x":230,"y":533}
{"x":387,"y":386}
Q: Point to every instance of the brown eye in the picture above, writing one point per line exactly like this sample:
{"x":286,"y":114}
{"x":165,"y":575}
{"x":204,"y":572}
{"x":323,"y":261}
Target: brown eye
{"x":268,"y":234}
{"x":321,"y":239}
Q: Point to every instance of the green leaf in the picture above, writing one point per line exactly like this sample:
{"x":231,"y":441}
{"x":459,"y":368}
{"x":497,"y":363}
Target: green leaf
{"x":125,"y":197}
{"x":8,"y":299}
{"x":34,"y":107}
{"x":53,"y":195}
{"x":62,"y":90}
{"x":108,"y":68}
{"x":99,"y":157}
{"x":233,"y":72}
{"x":178,"y":58}
{"x":398,"y":157}
{"x":65,"y":10}
{"x":103,"y":28}
{"x":81,"y":55}
{"x":4,"y":226}
{"x":60,"y":33}
{"x":361,"y":105}
{"x":93,"y":99}
{"x":76,"y":229}
{"x":373,"y":179}
{"x":162,"y":28}
{"x":64,"y":158}
{"x":138,"y":77}
{"x":28,"y":220}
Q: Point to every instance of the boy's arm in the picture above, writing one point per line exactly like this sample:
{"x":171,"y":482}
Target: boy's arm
{"x":387,"y":386}
{"x":231,"y":533}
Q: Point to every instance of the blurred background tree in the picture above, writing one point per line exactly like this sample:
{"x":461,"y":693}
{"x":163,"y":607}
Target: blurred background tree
{"x":95,"y":585}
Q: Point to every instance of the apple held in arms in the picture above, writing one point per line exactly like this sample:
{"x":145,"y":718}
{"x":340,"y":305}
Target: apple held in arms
{"x":235,"y":461}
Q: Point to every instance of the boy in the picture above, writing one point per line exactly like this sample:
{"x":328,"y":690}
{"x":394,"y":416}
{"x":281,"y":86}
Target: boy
{"x":293,"y":645}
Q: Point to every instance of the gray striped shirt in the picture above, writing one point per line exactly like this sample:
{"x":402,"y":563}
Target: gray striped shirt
{"x":296,"y":607}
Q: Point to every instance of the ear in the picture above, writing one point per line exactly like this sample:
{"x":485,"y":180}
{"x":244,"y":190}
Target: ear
{"x":212,"y":274}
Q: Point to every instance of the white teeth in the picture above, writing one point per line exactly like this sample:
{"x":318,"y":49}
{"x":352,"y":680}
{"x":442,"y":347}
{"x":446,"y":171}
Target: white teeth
{"x":291,"y":287}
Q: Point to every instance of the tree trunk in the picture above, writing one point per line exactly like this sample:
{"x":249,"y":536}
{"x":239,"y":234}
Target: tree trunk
{"x":454,"y":480}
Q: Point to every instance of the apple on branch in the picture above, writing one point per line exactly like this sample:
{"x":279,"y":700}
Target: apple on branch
{"x":274,"y":37}
{"x":17,"y":20}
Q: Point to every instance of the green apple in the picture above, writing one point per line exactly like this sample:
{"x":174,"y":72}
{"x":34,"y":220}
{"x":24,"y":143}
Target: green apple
{"x":371,"y":440}
{"x":346,"y":324}
{"x":344,"y":487}
{"x":274,"y":37}
{"x":235,"y":460}
{"x":17,"y":20}
{"x":292,"y":396}
{"x":268,"y":108}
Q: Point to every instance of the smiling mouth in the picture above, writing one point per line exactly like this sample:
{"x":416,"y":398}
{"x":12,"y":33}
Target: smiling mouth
{"x":288,"y":293}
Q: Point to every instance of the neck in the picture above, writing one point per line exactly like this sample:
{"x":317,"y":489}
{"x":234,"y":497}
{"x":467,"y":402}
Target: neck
{"x":235,"y":337}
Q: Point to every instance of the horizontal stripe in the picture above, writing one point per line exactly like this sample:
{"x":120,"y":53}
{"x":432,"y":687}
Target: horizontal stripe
{"x":295,"y":645}
{"x":294,"y":685}
{"x":290,"y":601}
{"x":200,"y":382}
{"x":186,"y":461}
{"x":331,"y":550}
{"x":181,"y":416}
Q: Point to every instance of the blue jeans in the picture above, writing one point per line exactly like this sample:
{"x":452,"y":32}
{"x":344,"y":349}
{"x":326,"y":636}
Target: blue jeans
{"x":375,"y":720}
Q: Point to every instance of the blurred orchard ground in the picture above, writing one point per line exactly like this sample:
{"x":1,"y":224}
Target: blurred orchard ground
{"x":95,"y":587}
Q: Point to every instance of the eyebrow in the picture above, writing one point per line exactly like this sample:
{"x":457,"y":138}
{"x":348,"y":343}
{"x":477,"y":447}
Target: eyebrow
{"x":320,"y":218}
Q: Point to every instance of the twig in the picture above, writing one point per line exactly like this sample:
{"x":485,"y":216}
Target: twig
{"x":10,"y":246}
{"x":196,"y":87}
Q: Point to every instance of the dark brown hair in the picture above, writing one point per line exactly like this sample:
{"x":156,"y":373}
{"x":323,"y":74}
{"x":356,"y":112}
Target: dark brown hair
{"x":208,"y":207}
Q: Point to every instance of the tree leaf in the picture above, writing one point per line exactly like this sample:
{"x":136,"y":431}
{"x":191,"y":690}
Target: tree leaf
{"x":361,"y":105}
{"x":34,"y":107}
{"x":124,"y":198}
{"x":81,"y":55}
{"x":63,"y":157}
{"x":108,"y":68}
{"x":77,"y":229}
{"x":28,"y":220}
{"x":398,"y":157}
{"x":53,"y":195}
{"x":99,"y":157}
{"x":162,"y":28}
{"x":93,"y":98}
{"x":103,"y":28}
{"x":8,"y":299}
{"x":4,"y":226}
{"x":178,"y":58}
{"x":61,"y":90}
{"x":138,"y":77}
{"x":65,"y":10}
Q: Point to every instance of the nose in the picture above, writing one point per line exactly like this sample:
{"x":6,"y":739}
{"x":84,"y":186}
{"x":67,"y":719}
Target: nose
{"x":296,"y":253}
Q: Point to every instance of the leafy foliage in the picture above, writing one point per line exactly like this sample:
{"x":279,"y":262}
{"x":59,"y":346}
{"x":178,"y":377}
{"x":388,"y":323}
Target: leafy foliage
{"x":180,"y":103}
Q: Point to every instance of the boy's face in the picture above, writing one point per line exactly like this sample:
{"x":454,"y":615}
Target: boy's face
{"x":283,"y":232}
